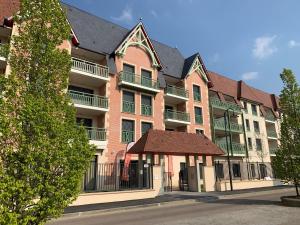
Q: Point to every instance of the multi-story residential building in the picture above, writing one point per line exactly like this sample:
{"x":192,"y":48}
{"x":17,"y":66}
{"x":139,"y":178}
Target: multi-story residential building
{"x":123,"y":84}
{"x":250,"y":120}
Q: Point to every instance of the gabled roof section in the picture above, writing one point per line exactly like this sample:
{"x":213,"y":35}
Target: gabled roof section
{"x":163,"y":142}
{"x":192,"y":64}
{"x":138,"y":37}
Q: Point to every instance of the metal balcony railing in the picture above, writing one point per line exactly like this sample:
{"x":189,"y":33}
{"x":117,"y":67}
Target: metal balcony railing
{"x":127,"y":136}
{"x":128,"y":107}
{"x":89,"y":67}
{"x":173,"y":90}
{"x":176,"y":115}
{"x":146,"y":110}
{"x":96,"y":134}
{"x":217,"y":103}
{"x":198,"y":119}
{"x":197,"y":97}
{"x":234,"y":127}
{"x":138,"y":80}
{"x":237,"y":148}
{"x":88,"y":99}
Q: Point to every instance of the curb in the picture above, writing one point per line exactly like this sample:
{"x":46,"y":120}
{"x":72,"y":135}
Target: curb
{"x":119,"y":209}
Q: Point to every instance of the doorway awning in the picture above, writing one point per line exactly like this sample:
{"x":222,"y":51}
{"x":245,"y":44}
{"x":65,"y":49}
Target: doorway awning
{"x":175,"y":143}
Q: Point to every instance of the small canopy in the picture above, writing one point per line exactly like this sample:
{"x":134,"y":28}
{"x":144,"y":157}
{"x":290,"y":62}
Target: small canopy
{"x":174,"y":143}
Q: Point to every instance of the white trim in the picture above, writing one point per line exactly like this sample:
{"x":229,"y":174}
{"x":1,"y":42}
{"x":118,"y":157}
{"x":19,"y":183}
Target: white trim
{"x":198,"y":68}
{"x":91,"y":107}
{"x":177,"y":121}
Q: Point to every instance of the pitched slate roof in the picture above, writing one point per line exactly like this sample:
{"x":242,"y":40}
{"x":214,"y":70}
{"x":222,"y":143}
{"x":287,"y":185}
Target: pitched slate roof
{"x":174,"y":143}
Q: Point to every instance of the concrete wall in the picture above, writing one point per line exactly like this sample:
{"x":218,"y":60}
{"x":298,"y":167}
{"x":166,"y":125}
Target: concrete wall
{"x":238,"y":185}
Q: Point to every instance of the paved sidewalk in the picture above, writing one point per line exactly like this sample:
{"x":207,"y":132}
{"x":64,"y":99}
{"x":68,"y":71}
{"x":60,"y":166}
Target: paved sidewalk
{"x":175,"y":197}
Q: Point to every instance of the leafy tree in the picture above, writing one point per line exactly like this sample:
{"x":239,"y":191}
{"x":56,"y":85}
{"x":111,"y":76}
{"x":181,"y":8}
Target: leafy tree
{"x":43,"y":153}
{"x":287,"y":160}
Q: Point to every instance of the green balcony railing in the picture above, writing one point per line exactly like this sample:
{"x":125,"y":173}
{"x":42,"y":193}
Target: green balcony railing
{"x":88,"y":99}
{"x":146,"y":110}
{"x":173,"y":90}
{"x":128,"y":107}
{"x":96,"y":134}
{"x":237,"y":148}
{"x":175,"y":115}
{"x":270,"y":117}
{"x":197,"y":97}
{"x":138,"y":80}
{"x":3,"y":51}
{"x":198,"y":119}
{"x":216,"y":103}
{"x":127,"y":136}
{"x":272,"y":133}
{"x":89,"y":67}
{"x":234,"y":127}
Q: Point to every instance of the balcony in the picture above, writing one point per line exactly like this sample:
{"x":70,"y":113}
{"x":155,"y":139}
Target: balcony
{"x":216,"y":103}
{"x":97,"y":137}
{"x":272,"y":134}
{"x":175,"y":95}
{"x":234,"y":127}
{"x":128,"y":107}
{"x":237,"y":148}
{"x":198,"y":119}
{"x":89,"y":73}
{"x":138,"y":82}
{"x":88,"y":103}
{"x":127,"y":136}
{"x":146,"y":110}
{"x":176,"y":118}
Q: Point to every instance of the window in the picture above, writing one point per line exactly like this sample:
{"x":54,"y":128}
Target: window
{"x":128,"y":68}
{"x":198,"y":115}
{"x":199,"y":131}
{"x":236,"y":169}
{"x":263,"y":171}
{"x":258,"y":144}
{"x":250,"y":143}
{"x":245,"y":107}
{"x":128,"y":102}
{"x":247,"y":125}
{"x":197,"y":93}
{"x":254,"y":109}
{"x":145,"y":127}
{"x":256,"y":126}
{"x":127,"y":131}
{"x":252,"y":170}
{"x":146,"y":106}
{"x":219,"y":170}
{"x":146,"y":78}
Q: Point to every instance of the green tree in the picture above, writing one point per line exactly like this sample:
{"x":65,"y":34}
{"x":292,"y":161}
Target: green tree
{"x":287,"y":161}
{"x":43,"y":153}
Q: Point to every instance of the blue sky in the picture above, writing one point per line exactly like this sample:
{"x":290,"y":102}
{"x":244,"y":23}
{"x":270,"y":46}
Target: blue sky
{"x":252,"y":40}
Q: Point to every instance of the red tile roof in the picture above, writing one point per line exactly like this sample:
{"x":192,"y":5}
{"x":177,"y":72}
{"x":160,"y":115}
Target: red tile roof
{"x":175,"y":143}
{"x":8,"y":8}
{"x":240,"y":90}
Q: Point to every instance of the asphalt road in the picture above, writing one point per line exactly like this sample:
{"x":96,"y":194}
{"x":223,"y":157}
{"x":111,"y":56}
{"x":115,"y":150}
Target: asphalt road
{"x":258,"y":209}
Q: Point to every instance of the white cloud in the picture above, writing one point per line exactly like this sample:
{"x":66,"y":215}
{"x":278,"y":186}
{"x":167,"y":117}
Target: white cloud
{"x":264,"y":47}
{"x":153,"y":13}
{"x":293,"y":44}
{"x":126,"y":15}
{"x":250,"y":76}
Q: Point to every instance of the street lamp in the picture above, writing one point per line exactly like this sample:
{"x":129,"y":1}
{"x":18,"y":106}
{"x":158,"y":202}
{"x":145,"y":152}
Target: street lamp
{"x":227,"y":118}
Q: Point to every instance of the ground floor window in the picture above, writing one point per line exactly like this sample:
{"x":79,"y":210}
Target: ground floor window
{"x":263,"y":170}
{"x":219,"y":170}
{"x":252,"y":170}
{"x":236,"y":169}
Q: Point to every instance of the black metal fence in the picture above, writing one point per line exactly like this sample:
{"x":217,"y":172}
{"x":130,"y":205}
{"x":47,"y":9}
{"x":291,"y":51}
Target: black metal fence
{"x":117,"y":177}
{"x":243,"y":170}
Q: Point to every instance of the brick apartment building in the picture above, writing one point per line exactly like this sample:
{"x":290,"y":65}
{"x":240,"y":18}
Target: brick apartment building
{"x":125,"y":86}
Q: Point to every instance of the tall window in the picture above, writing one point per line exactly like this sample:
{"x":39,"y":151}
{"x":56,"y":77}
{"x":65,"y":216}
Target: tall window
{"x":258,"y":144}
{"x":146,"y":78}
{"x":254,"y":109}
{"x":127,"y":131}
{"x":263,"y":171}
{"x":129,"y":73}
{"x":198,"y":115}
{"x":145,"y":127}
{"x":247,"y":125}
{"x":146,"y":106}
{"x":128,"y":102}
{"x":219,"y":170}
{"x":250,"y":143}
{"x":197,"y":93}
{"x":246,"y":107}
{"x":236,"y":170}
{"x":252,"y":170}
{"x":256,"y":126}
{"x":128,"y":68}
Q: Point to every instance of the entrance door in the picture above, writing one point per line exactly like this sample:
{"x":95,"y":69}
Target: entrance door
{"x":183,"y":177}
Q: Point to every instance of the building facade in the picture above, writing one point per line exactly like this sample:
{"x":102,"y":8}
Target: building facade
{"x":123,"y":83}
